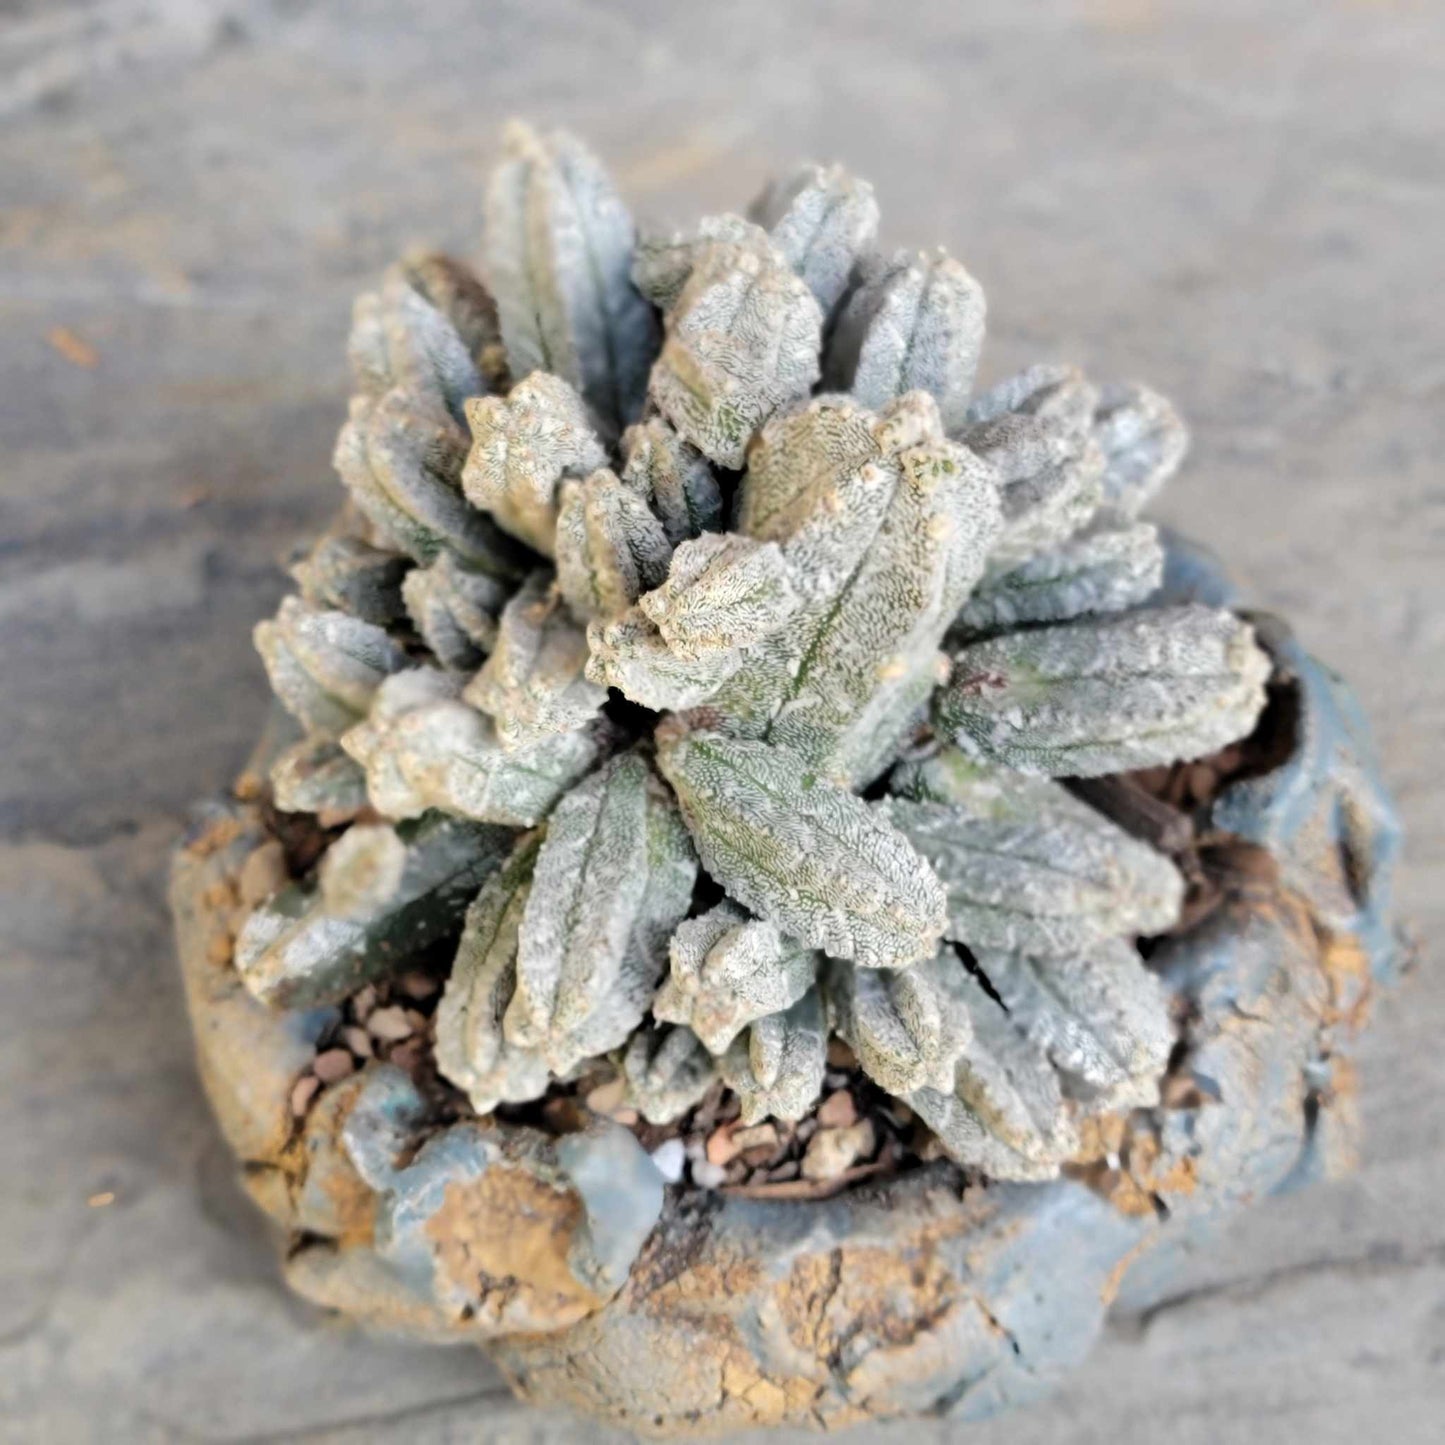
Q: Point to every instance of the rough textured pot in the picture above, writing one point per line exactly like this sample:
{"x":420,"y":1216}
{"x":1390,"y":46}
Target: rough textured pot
{"x":680,"y":1311}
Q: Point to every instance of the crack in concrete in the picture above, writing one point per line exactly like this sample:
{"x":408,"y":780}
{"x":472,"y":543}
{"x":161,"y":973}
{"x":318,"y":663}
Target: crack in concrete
{"x":1384,"y":1259}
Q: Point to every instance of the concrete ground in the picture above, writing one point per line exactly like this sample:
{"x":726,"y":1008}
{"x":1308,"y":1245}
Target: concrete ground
{"x":1242,"y":201}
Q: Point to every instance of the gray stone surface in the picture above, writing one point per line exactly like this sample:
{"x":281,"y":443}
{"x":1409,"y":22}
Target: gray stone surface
{"x":1240,"y":202}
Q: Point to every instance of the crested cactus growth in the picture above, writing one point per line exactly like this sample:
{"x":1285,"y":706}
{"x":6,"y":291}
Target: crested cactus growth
{"x":776,"y":1067}
{"x":667,"y":1072}
{"x":915,"y":323}
{"x":613,"y":879}
{"x":383,"y":895}
{"x":729,"y":969}
{"x":1087,"y":698}
{"x":707,"y":713}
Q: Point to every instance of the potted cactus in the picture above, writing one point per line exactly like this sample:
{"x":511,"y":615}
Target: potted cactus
{"x":771,"y":887}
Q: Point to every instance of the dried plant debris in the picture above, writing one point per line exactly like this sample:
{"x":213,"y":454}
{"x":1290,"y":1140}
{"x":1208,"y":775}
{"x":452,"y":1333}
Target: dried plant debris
{"x":684,"y":688}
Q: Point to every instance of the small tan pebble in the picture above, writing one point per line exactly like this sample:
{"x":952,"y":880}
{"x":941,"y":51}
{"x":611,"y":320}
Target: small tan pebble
{"x":390,"y":1024}
{"x":706,"y":1175}
{"x":1203,"y":780}
{"x":840,"y":1056}
{"x":362,"y":1003}
{"x":263,"y":873}
{"x":418,"y":985}
{"x":720,"y":1147}
{"x":759,"y":1136}
{"x":219,"y":949}
{"x":626,"y":1117}
{"x":358,"y":1041}
{"x":607,"y":1097}
{"x":837,"y":1111}
{"x":831,"y":1152}
{"x":416,"y":1019}
{"x":303,"y":1091}
{"x":333,"y":1065}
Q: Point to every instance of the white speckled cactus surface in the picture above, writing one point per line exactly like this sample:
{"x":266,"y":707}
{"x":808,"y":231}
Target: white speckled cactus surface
{"x":779,"y":889}
{"x":700,"y":646}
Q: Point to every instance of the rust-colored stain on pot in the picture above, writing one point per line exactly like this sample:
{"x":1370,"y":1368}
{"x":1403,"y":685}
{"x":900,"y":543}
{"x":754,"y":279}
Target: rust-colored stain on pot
{"x":505,"y":1236}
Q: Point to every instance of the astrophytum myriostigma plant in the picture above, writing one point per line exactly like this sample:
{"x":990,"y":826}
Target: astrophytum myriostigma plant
{"x":703,"y":652}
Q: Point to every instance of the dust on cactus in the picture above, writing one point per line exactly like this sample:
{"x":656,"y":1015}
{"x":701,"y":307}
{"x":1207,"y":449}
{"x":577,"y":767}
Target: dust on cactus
{"x":703,"y":653}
